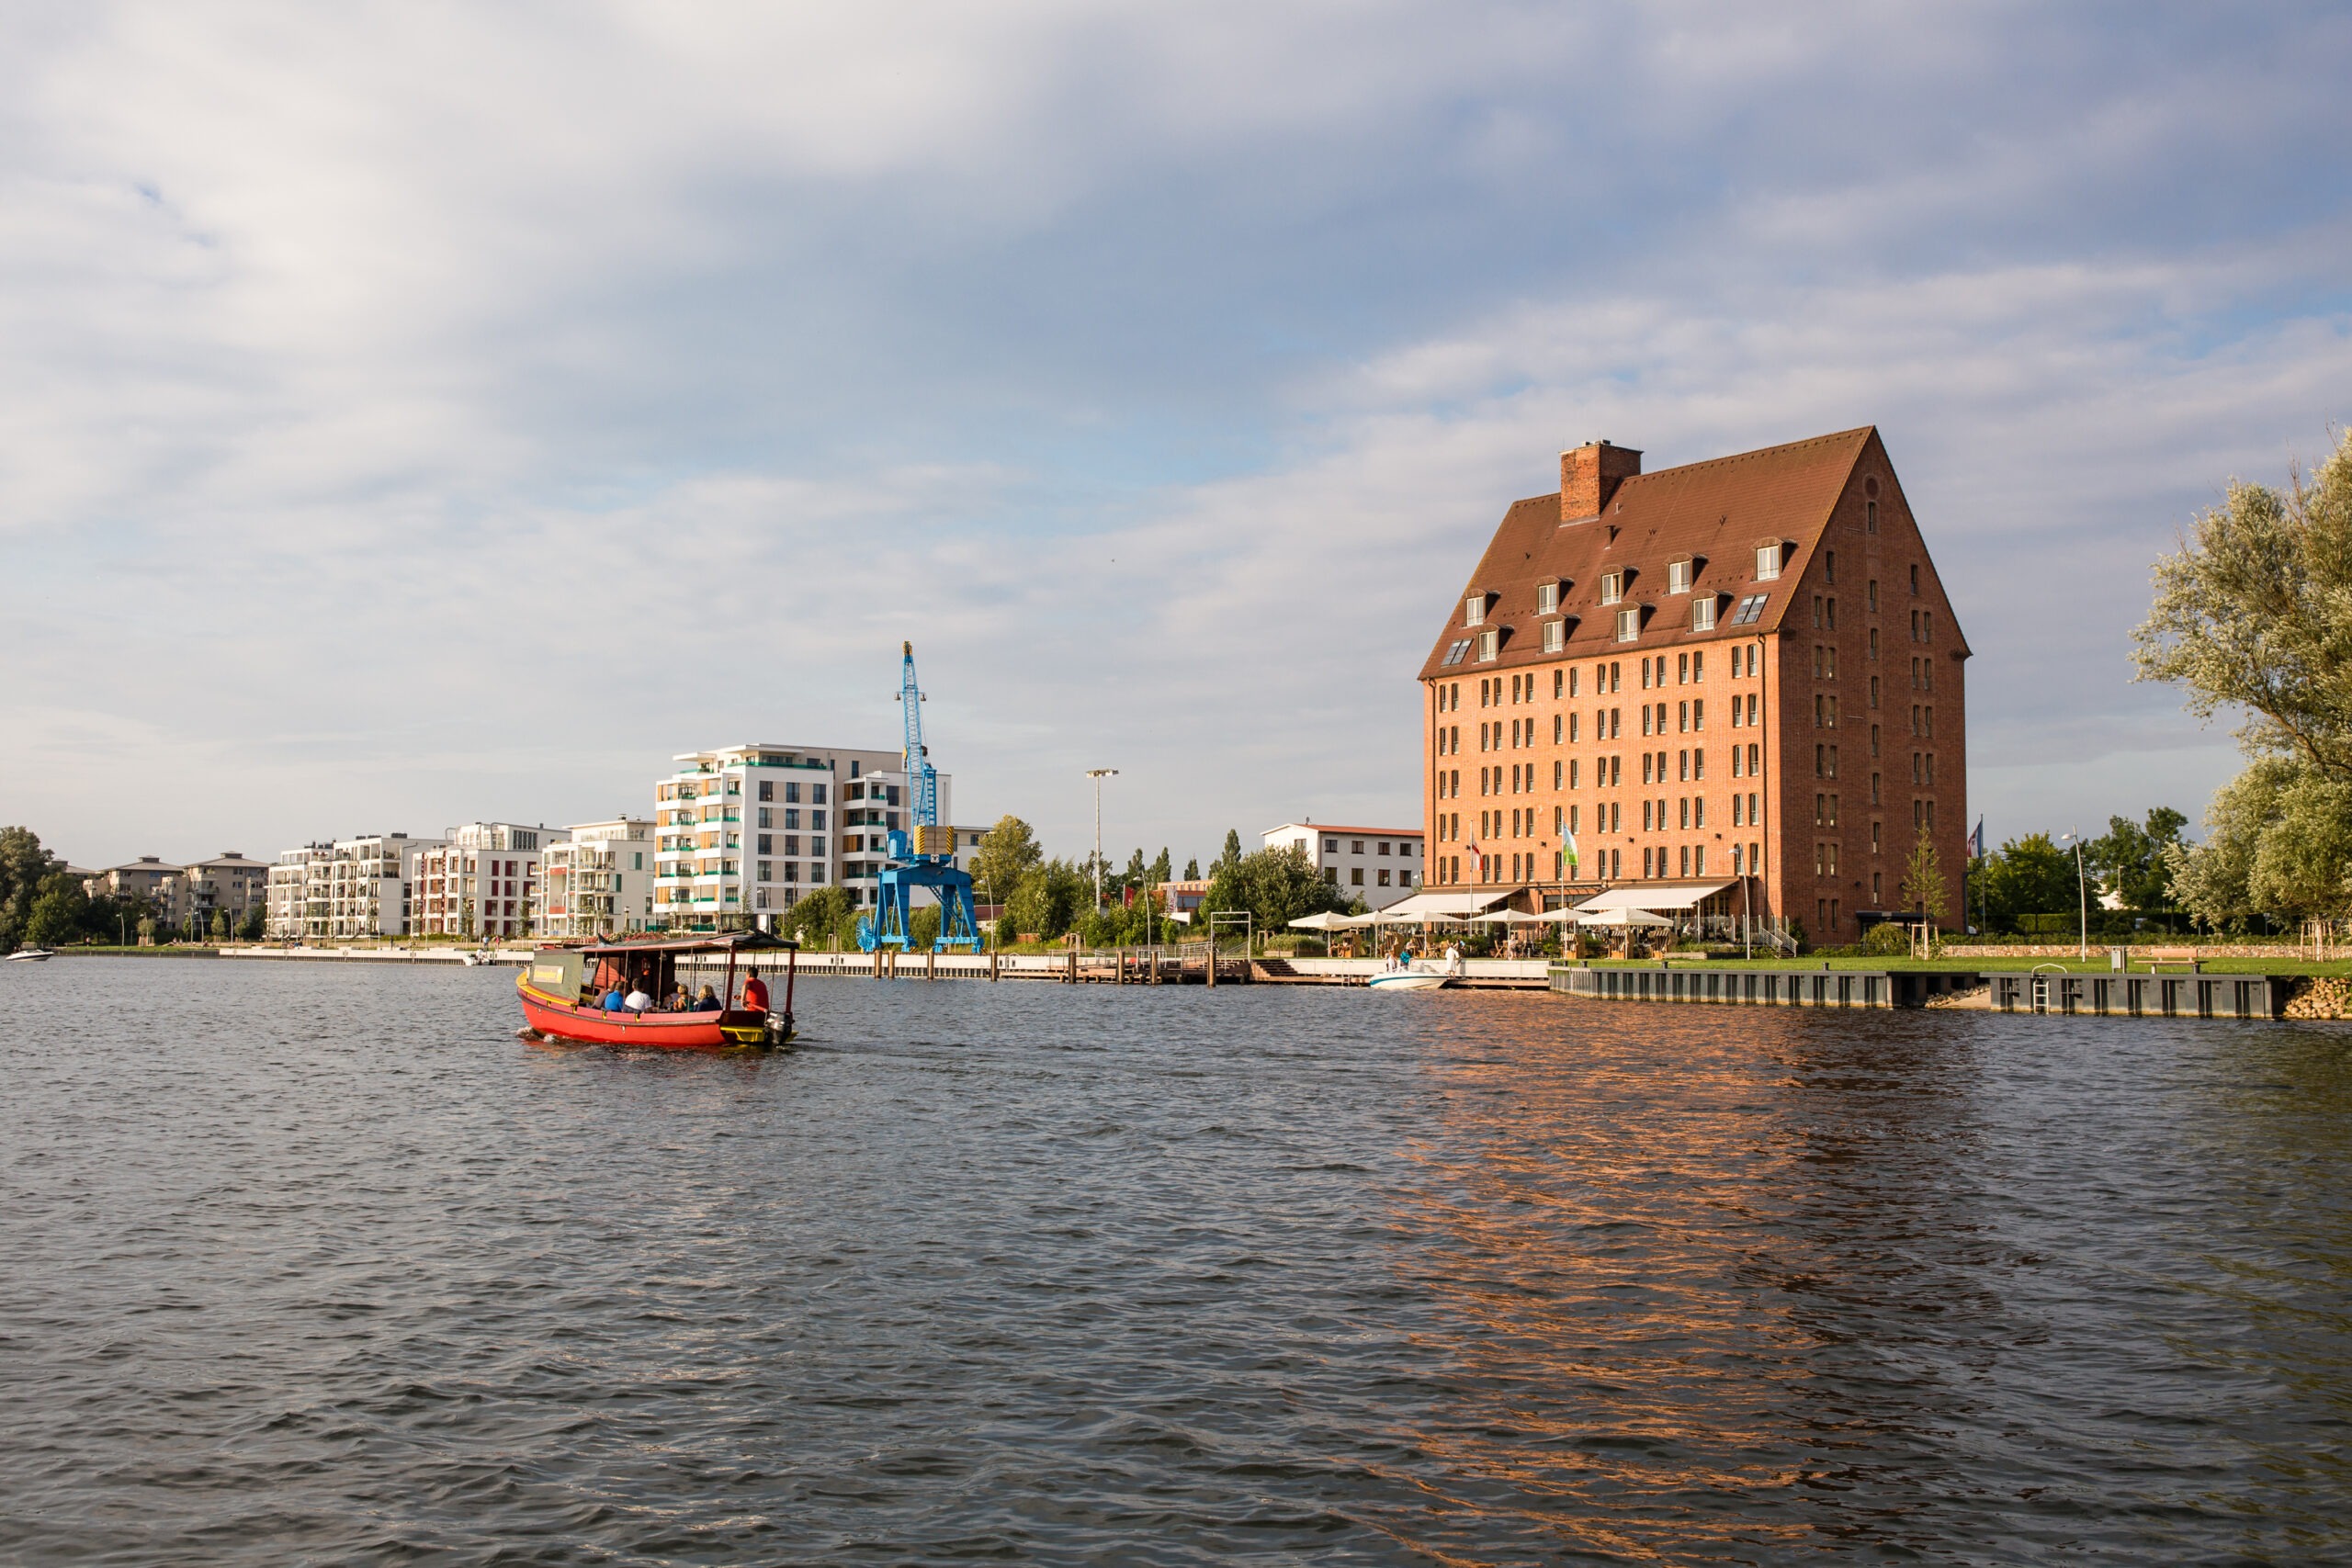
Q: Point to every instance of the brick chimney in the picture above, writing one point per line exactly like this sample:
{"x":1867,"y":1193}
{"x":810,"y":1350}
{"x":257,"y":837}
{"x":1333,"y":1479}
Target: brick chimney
{"x":1591,"y":474}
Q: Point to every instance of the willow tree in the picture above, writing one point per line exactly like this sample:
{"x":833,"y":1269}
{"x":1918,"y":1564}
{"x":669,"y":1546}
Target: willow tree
{"x":2253,"y":614}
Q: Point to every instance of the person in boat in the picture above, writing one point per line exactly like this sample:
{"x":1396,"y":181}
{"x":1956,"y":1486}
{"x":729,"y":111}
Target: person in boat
{"x":709,"y":1001}
{"x":637,"y":1001}
{"x":755,"y":994}
{"x":614,"y":1001}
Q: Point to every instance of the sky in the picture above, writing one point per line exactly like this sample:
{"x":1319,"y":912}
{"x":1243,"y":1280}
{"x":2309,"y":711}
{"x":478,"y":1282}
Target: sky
{"x":416,"y":413}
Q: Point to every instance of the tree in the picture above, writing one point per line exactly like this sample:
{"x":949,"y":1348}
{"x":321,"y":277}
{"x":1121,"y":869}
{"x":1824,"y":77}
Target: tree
{"x":59,"y":913}
{"x":1050,"y":897}
{"x":1160,"y":871}
{"x":23,"y":867}
{"x":1008,"y":853}
{"x":1276,"y":887}
{"x":1923,"y":878}
{"x":220,"y":932}
{"x":1136,"y":874}
{"x":819,"y":916}
{"x":2255,"y":612}
{"x":1192,"y":869}
{"x":1232,"y":855}
{"x":2131,"y":859}
{"x":256,"y":921}
{"x":2030,"y":876}
{"x":2278,"y":843}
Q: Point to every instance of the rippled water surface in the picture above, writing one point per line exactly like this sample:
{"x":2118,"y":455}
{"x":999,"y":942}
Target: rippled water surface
{"x":322,"y":1265}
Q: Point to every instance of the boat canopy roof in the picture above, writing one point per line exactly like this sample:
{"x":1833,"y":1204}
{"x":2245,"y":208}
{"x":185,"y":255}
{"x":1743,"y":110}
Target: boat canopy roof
{"x":708,"y":941}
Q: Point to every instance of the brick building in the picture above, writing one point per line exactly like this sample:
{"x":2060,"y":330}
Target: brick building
{"x":1735,"y":685}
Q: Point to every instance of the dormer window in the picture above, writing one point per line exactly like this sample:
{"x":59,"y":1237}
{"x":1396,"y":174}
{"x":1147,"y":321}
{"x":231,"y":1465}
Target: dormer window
{"x":1474,"y":610}
{"x":1613,"y":587}
{"x":1767,"y":562}
{"x":1629,"y":624}
{"x":1556,"y":636}
{"x":1547,"y":598}
{"x":1677,"y":576}
{"x":1488,"y":642}
{"x":1702,"y":613}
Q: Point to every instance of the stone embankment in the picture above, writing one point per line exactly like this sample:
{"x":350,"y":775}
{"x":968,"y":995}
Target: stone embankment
{"x":2321,"y":996}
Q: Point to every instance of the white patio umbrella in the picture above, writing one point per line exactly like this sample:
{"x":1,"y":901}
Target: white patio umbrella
{"x":1325,"y":921}
{"x":1423,"y":918}
{"x":1621,"y":919}
{"x":1509,"y":918}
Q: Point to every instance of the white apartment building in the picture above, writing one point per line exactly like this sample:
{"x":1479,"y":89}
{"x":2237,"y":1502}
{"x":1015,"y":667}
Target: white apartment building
{"x":598,"y":881}
{"x":288,"y":890}
{"x":1377,"y":865}
{"x":362,"y":886}
{"x":482,"y":882}
{"x":742,"y":831}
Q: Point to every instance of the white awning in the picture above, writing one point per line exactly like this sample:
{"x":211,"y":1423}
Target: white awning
{"x":1455,"y":904}
{"x":1653,"y":896}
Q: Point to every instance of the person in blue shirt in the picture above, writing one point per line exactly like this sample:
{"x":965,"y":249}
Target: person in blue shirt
{"x":612,"y":1002}
{"x":709,"y":1002}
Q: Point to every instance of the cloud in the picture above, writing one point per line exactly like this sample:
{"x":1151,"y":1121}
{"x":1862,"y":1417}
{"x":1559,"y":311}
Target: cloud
{"x":418,"y":413}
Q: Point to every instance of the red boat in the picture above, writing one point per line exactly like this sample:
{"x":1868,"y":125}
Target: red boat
{"x":564,"y":988}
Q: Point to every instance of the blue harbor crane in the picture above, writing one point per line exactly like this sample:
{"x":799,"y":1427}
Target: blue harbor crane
{"x":921,"y":856}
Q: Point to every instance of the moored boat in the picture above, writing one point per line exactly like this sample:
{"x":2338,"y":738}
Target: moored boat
{"x":1409,"y":978}
{"x":563,"y":987}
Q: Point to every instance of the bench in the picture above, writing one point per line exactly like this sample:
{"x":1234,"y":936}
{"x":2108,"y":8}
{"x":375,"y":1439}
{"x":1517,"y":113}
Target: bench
{"x":2171,"y":958}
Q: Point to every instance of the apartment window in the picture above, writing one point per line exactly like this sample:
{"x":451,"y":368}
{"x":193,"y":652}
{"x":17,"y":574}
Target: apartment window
{"x":1702,"y":613}
{"x":816,"y":798}
{"x":1547,"y":598}
{"x":1677,"y":576}
{"x":1613,"y":587}
{"x":765,"y":845}
{"x":1767,"y":562}
{"x":1556,"y":636}
{"x":1487,"y":643}
{"x":1749,"y":609}
{"x":1629,"y":625}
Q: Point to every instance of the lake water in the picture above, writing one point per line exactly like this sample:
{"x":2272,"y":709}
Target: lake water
{"x":323,"y":1265}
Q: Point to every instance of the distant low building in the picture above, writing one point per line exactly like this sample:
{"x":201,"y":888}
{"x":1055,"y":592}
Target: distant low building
{"x":162,"y":885}
{"x":227,"y":883}
{"x":1379,"y":865}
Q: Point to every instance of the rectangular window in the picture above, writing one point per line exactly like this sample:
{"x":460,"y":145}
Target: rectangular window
{"x":1750,"y":610}
{"x":767,"y":789}
{"x":1767,"y":562}
{"x":1677,"y":577}
{"x":1547,"y":598}
{"x":1487,"y":643}
{"x":1556,"y":636}
{"x":1702,"y":613}
{"x":1629,"y":625}
{"x":1474,"y":610}
{"x":1613,"y":587}
{"x":1453,"y":653}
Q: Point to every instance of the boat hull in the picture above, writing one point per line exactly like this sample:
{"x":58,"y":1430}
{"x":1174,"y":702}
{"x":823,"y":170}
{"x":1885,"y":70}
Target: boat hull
{"x":560,"y":1019}
{"x":1408,"y":980}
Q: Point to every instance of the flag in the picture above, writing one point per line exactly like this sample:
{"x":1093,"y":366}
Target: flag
{"x":1568,"y":847}
{"x":1477,"y":855}
{"x":1977,"y":841}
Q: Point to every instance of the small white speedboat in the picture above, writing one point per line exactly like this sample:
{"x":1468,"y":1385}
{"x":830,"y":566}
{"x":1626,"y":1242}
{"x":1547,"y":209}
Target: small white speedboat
{"x":1410,"y":977}
{"x":31,"y":955}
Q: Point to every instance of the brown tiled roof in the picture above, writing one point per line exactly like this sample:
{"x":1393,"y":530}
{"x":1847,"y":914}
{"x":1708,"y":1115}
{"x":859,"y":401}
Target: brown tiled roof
{"x":1717,"y":512}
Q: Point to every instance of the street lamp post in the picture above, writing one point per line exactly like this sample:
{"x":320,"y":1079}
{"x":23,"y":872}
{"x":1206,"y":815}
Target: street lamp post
{"x":1098,"y":775}
{"x":2083,"y":894}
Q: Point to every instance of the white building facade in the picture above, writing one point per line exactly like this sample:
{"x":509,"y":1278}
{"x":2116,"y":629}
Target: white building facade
{"x":745,"y":833}
{"x":1378,"y":865}
{"x":599,"y":880}
{"x":482,"y":883}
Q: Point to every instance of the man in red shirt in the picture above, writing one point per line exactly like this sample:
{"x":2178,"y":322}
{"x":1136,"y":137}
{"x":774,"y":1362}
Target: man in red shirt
{"x":755,"y":994}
